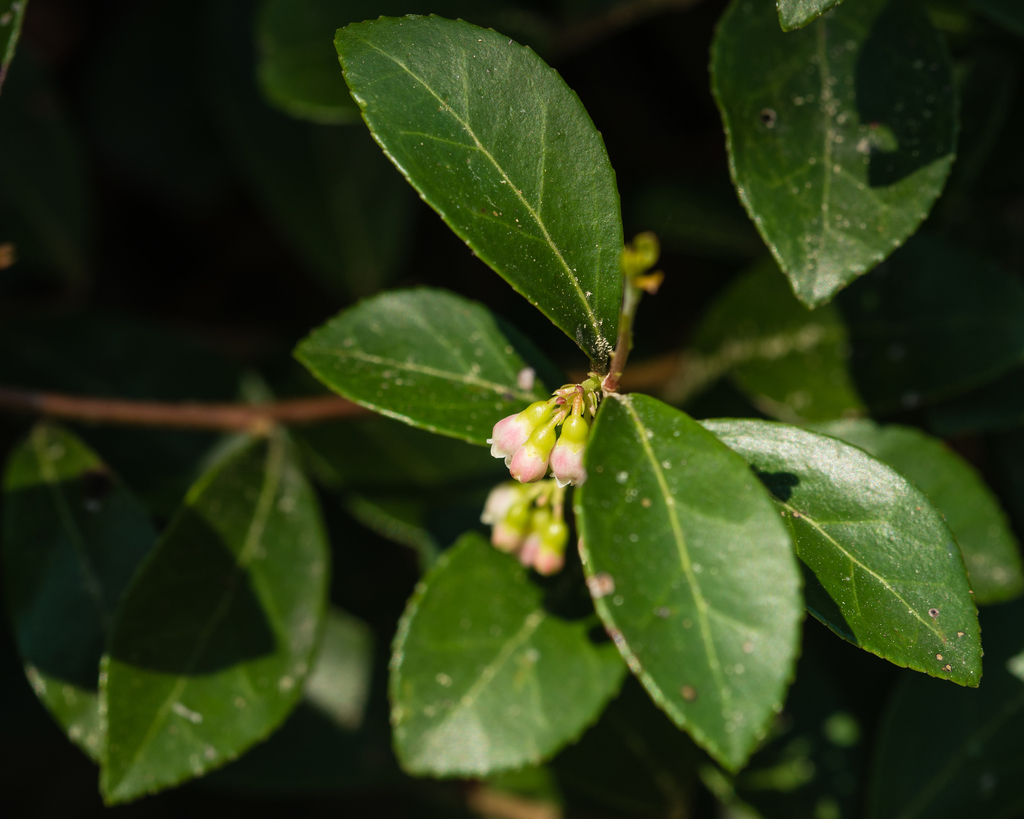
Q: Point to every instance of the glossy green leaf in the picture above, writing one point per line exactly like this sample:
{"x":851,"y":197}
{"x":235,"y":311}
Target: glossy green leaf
{"x":884,"y":570}
{"x":213,"y":641}
{"x":934,"y":320}
{"x":73,"y":537}
{"x":795,"y":14}
{"x":840,"y":135}
{"x":991,"y":552}
{"x":793,"y":362}
{"x":426,"y":357}
{"x":495,"y":682}
{"x":504,"y":151}
{"x":692,"y":571}
{"x":12,"y":14}
{"x":327,"y":189}
{"x":45,"y":208}
{"x":946,"y":753}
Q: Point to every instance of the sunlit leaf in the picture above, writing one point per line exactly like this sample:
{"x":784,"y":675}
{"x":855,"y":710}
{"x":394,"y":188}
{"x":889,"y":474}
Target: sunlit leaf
{"x":840,"y":135}
{"x":504,"y":151}
{"x":884,"y":570}
{"x":495,"y":682}
{"x":692,"y":572}
{"x":795,"y":14}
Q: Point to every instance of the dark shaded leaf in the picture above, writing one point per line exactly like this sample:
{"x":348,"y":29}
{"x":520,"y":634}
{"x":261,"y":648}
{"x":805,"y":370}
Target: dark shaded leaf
{"x":692,"y":571}
{"x":991,"y":552}
{"x":1007,"y":13}
{"x":998,"y":406}
{"x":934,"y":320}
{"x":426,"y":357}
{"x":73,"y":537}
{"x":840,"y":135}
{"x":213,"y":641}
{"x":793,"y":362}
{"x":884,"y":570}
{"x":494,"y":140}
{"x":496,"y":682}
{"x":971,"y":765}
{"x":332,"y":195}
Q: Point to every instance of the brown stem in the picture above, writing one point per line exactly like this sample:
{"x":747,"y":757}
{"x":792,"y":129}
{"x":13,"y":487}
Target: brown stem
{"x":257,"y":418}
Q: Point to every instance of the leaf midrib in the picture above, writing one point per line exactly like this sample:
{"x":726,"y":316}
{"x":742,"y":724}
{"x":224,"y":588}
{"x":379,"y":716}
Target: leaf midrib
{"x":264,"y":504}
{"x":684,"y":555}
{"x":591,"y":317}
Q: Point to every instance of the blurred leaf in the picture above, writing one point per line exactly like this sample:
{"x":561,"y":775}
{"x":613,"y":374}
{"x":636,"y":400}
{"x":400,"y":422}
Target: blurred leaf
{"x":211,"y":645}
{"x":634,"y":761}
{"x":12,"y":14}
{"x":1007,"y":13}
{"x":73,"y":537}
{"x":795,"y":14}
{"x":338,"y":737}
{"x":106,"y":356}
{"x":665,"y":514}
{"x":496,"y":682}
{"x":697,"y":222}
{"x":812,"y":766}
{"x":885,"y":571}
{"x":998,"y":406}
{"x":336,"y":200}
{"x":971,"y":511}
{"x":400,"y":519}
{"x":375,"y":452}
{"x":45,"y":208}
{"x":791,"y":361}
{"x":504,"y":151}
{"x":840,"y":135}
{"x":934,"y":320}
{"x":972,"y":764}
{"x":426,"y":357}
{"x":166,"y":139}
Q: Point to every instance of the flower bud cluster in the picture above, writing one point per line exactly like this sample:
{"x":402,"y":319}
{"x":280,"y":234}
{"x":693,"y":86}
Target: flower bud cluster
{"x":529,"y":443}
{"x":529,"y":521}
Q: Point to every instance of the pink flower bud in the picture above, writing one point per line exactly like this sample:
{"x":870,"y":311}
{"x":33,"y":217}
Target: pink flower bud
{"x":511,"y":432}
{"x":499,"y":501}
{"x":508,"y":534}
{"x":534,"y":539}
{"x":530,"y":463}
{"x":550,"y":557}
{"x":567,"y":456}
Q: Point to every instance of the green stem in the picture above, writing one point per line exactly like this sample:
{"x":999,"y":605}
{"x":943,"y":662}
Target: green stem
{"x":624,"y":342}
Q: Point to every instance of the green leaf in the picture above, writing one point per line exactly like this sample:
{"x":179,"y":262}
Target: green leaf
{"x":45,"y":207}
{"x":991,"y":552}
{"x":495,"y":682}
{"x":339,"y":685}
{"x":692,"y":571}
{"x":934,"y":320}
{"x":794,"y":14}
{"x":885,"y":571}
{"x":840,"y":135}
{"x":1007,"y":13}
{"x":971,"y":765}
{"x":793,"y":362}
{"x":327,"y":189}
{"x":73,"y":537}
{"x":426,"y":357}
{"x":504,"y":151}
{"x":212,"y":643}
{"x":12,"y":14}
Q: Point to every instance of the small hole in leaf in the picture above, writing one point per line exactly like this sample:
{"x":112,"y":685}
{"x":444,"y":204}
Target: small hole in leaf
{"x":768,"y":117}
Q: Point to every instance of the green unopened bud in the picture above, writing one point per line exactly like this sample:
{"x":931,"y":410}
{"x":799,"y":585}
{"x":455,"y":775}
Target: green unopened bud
{"x":641,"y":255}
